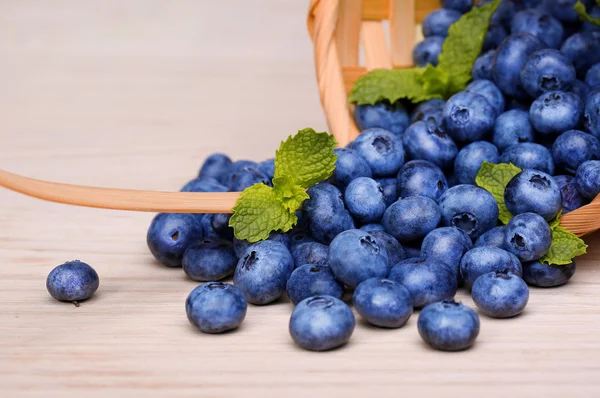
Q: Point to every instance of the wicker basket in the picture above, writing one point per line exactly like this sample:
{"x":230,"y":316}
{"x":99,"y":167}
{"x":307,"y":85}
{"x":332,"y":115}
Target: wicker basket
{"x":338,"y":28}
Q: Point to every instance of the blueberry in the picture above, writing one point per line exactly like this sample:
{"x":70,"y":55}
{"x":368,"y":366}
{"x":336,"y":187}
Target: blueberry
{"x":590,"y":27}
{"x":321,"y":323}
{"x":588,"y":179}
{"x":555,"y":112}
{"x":240,"y":245}
{"x":216,"y":165}
{"x":547,"y":70}
{"x":532,"y":191}
{"x":468,"y":117}
{"x":510,"y":58}
{"x":427,"y":280}
{"x":382,"y":150}
{"x":528,"y":236}
{"x":490,"y":92}
{"x":298,"y":237}
{"x":448,"y":326}
{"x":429,"y":141}
{"x":72,"y":281}
{"x":383,"y":302}
{"x":313,"y":280}
{"x":235,"y":167}
{"x":364,"y":199}
{"x":420,"y":177}
{"x":372,"y":227}
{"x":494,"y":37}
{"x":542,"y":275}
{"x":430,"y":109}
{"x":170,"y":234}
{"x":217,"y":226}
{"x":470,"y":208}
{"x":348,"y":166}
{"x":438,"y":22}
{"x":504,"y":13}
{"x":267,"y":167}
{"x":483,"y":259}
{"x":428,"y":51}
{"x":483,"y":66}
{"x":563,"y":10}
{"x":511,"y":128}
{"x":390,"y":193}
{"x":574,"y":147}
{"x":469,"y":160}
{"x":326,"y":212}
{"x":592,"y":113}
{"x":355,"y":255}
{"x":583,"y":49}
{"x":493,"y":237}
{"x":393,"y":248}
{"x":246,"y":177}
{"x":581,"y":89}
{"x":411,"y":218}
{"x":209,"y":259}
{"x":592,"y":77}
{"x":391,"y":117}
{"x":500,"y":294}
{"x":540,"y":24}
{"x":571,"y":198}
{"x":529,"y":156}
{"x":216,"y":307}
{"x":310,"y":253}
{"x":447,"y":245}
{"x":204,"y":184}
{"x":263,"y":271}
{"x":461,"y":6}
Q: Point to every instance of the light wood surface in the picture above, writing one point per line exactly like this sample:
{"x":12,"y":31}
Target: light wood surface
{"x":133,"y":94}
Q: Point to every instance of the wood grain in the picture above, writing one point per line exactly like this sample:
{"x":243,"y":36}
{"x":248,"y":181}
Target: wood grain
{"x":133,"y":95}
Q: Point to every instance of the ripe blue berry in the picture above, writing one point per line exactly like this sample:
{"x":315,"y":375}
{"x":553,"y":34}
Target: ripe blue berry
{"x":537,"y":274}
{"x":488,"y":90}
{"x":483,"y":66}
{"x":383,"y":302}
{"x":364,"y":199}
{"x":532,"y":191}
{"x":169,"y":236}
{"x":484,"y":259}
{"x":348,"y":166}
{"x":411,"y":218}
{"x":209,"y":259}
{"x":500,"y":294}
{"x":447,"y":245}
{"x":529,"y":155}
{"x":394,"y":249}
{"x":493,"y":237}
{"x":391,"y":117}
{"x":470,"y":158}
{"x":547,"y":70}
{"x":428,"y":51}
{"x":216,"y":307}
{"x":438,"y":22}
{"x":574,"y":147}
{"x":216,"y":166}
{"x":72,"y":281}
{"x":310,"y":253}
{"x":571,"y":198}
{"x":448,"y":326}
{"x":511,"y":128}
{"x":428,"y":141}
{"x":540,"y":24}
{"x":468,"y":117}
{"x":381,"y":149}
{"x":528,"y":236}
{"x":588,"y":179}
{"x":555,"y":112}
{"x":326,"y":213}
{"x":420,"y":177}
{"x":313,"y":280}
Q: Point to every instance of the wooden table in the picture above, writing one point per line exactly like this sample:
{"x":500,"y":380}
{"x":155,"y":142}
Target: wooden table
{"x":135,"y":94}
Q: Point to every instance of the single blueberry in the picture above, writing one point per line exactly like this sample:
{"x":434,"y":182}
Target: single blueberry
{"x":310,"y":253}
{"x":429,"y":141}
{"x":583,"y":50}
{"x":263,"y":271}
{"x":240,"y":245}
{"x":390,"y":193}
{"x":209,"y":259}
{"x":428,"y":51}
{"x":313,"y":280}
{"x":574,"y":147}
{"x":392,"y":117}
{"x":394,"y":249}
{"x":383,"y":302}
{"x":470,"y":208}
{"x":529,"y":155}
{"x":483,"y":259}
{"x":447,"y":245}
{"x":348,"y":166}
{"x":217,"y":225}
{"x":470,"y":158}
{"x":298,"y":237}
{"x":532,"y":191}
{"x":246,"y":177}
{"x":511,"y":128}
{"x":592,"y":113}
{"x":430,"y":109}
{"x":494,"y":37}
{"x":588,"y":179}
{"x":364,"y":199}
{"x":500,"y":294}
{"x":382,"y":150}
{"x":528,"y":236}
{"x":555,"y":112}
{"x":411,"y":218}
{"x":420,"y":177}
{"x":437,"y":22}
{"x":581,"y":89}
{"x":468,"y":117}
{"x":483,"y":66}
{"x":235,"y":167}
{"x":592,"y":77}
{"x":494,"y":237}
{"x":72,"y":281}
{"x":448,"y":326}
{"x":372,"y":227}
{"x":510,"y":58}
{"x":588,"y":26}
{"x":267,"y":167}
{"x":427,"y":280}
{"x":563,"y":9}
{"x":571,"y":198}
{"x":540,"y":24}
{"x":488,"y":90}
{"x":547,"y":70}
{"x":461,"y":6}
{"x":170,"y":234}
{"x":216,"y":307}
{"x":216,"y":165}
{"x":541,"y":275}
{"x":355,"y":255}
{"x":326,"y":212}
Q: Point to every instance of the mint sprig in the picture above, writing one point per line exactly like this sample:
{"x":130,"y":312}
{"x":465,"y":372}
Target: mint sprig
{"x":579,"y":8}
{"x":300,"y":162}
{"x":460,"y":50}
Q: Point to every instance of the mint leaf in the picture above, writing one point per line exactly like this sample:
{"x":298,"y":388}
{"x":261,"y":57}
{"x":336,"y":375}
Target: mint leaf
{"x":391,"y":85}
{"x":258,"y":211}
{"x":493,"y":178}
{"x":306,"y":158}
{"x":463,"y":45}
{"x":565,"y":246}
{"x":583,"y":14}
{"x":434,"y":80}
{"x":291,"y":195}
{"x":556,"y":221}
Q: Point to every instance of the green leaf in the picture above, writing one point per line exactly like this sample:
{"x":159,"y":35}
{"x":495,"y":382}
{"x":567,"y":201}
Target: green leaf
{"x":583,"y":14}
{"x":306,"y":158}
{"x":463,"y":45}
{"x":391,"y":85}
{"x":493,"y":178}
{"x":434,"y":80}
{"x":556,"y":221}
{"x":291,"y":195}
{"x":565,"y":246}
{"x":258,"y":211}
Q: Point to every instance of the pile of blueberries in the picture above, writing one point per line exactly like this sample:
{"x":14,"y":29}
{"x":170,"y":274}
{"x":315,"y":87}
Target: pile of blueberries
{"x":401,"y":222}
